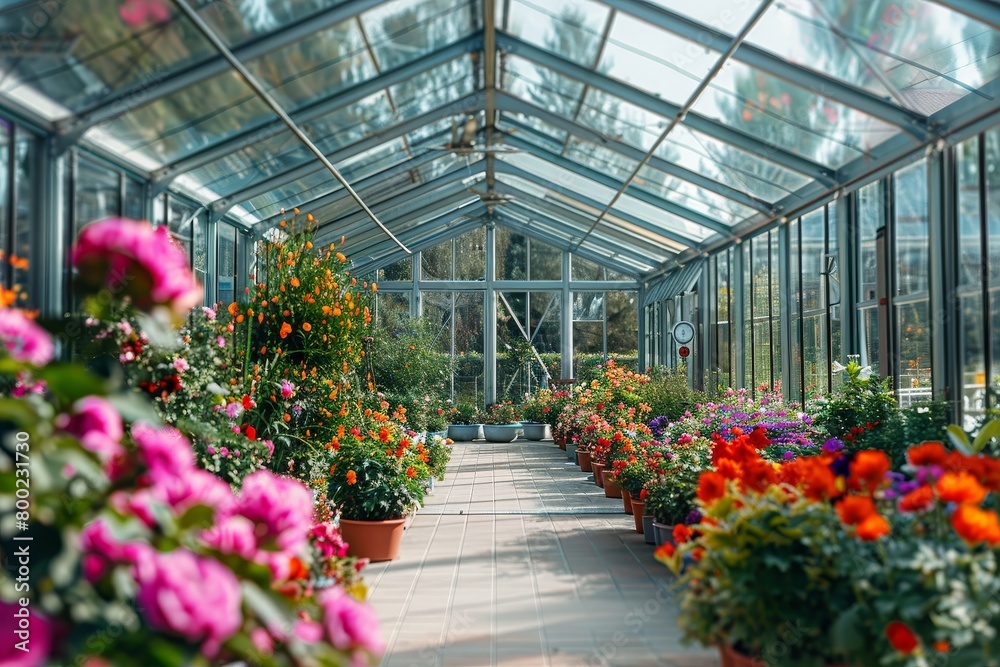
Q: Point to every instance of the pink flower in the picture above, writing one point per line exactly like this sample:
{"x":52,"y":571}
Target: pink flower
{"x":97,"y":425}
{"x":310,"y":632}
{"x":194,"y":597}
{"x":262,"y":641}
{"x":131,"y":258}
{"x":220,"y":341}
{"x":232,"y":535}
{"x":234,"y":409}
{"x":327,"y":539}
{"x":282,"y":507}
{"x":37,"y":636}
{"x":350,"y":624}
{"x":181,"y":364}
{"x":164,"y":450}
{"x":270,"y":447}
{"x":209,"y":312}
{"x":137,"y":12}
{"x":24,"y":340}
{"x":196,"y":487}
{"x":102,"y":549}
{"x":287,"y":389}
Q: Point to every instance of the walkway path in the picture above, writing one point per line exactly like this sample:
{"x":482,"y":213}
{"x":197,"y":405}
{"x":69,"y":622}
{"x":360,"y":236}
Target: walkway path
{"x":518,"y":559}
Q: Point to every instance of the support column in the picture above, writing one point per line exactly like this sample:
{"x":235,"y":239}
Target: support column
{"x":640,"y":295}
{"x":847,"y":249}
{"x":785,"y":299}
{"x":416,"y":301}
{"x":566,"y":321}
{"x":490,"y":318}
{"x":736,"y":316}
{"x":944,"y":309}
{"x":212,"y":259}
{"x":48,"y":278}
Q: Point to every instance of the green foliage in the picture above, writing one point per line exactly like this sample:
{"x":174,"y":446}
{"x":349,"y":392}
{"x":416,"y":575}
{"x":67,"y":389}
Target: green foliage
{"x":987,"y":436}
{"x":925,"y":421}
{"x":463,"y":413}
{"x":406,"y":360}
{"x":438,"y":455}
{"x":500,"y":414}
{"x":633,"y":476}
{"x":668,"y":393}
{"x":377,"y":490}
{"x":672,"y":495}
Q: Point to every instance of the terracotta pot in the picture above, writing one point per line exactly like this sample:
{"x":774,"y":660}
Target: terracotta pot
{"x":559,"y":438}
{"x":730,"y":657}
{"x":375,"y":540}
{"x":584,"y":457}
{"x":627,"y":502}
{"x":598,"y":477}
{"x":638,"y":507}
{"x":611,"y":490}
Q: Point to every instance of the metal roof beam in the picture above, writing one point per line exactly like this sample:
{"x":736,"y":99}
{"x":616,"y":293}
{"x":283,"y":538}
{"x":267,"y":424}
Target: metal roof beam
{"x":909,"y":121}
{"x":366,"y":183}
{"x":513,"y":104}
{"x":512,"y":170}
{"x":602,"y":179}
{"x":568,"y":219}
{"x":984,"y":11}
{"x":383,"y":259}
{"x":661,"y":107}
{"x":318,"y":108}
{"x":563,"y":244}
{"x":464,"y":105}
{"x":146,"y":91}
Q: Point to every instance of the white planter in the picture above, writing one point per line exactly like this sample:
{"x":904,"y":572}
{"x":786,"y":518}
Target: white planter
{"x":501,"y":432}
{"x":536,"y":432}
{"x":463,"y":432}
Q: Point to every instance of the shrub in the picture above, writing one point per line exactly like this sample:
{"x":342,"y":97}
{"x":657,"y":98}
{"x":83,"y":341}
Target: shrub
{"x":370,"y":484}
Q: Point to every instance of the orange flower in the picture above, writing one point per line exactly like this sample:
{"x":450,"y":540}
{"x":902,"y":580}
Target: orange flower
{"x":917,"y":500}
{"x":664,"y":552}
{"x":711,"y":486}
{"x":340,"y":257}
{"x":873,"y":528}
{"x":233,"y":309}
{"x":975,"y":525}
{"x":852,"y":510}
{"x":869,"y":468}
{"x":306,"y":326}
{"x":352,"y":478}
{"x":901,"y":637}
{"x":682,"y":533}
{"x":295,"y":281}
{"x":411,"y":472}
{"x":286,"y":329}
{"x":960,"y":487}
{"x":926,"y":454}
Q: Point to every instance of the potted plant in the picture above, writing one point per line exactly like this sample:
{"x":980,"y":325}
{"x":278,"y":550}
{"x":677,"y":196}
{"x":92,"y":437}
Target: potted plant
{"x":374,"y":493}
{"x":535,"y":426}
{"x":463,"y":423}
{"x":500,"y":422}
{"x":438,"y":455}
{"x":631,"y":474}
{"x":672,"y":494}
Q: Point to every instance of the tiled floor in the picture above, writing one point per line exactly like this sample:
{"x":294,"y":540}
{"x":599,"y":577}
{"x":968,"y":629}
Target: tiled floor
{"x":519,"y":559}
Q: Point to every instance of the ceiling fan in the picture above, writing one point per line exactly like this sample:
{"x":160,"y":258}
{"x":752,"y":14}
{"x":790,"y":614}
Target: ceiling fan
{"x":463,"y":141}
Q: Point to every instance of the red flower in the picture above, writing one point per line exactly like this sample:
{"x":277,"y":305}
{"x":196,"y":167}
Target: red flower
{"x":917,"y":500}
{"x":411,"y":472}
{"x":960,"y":487}
{"x":251,"y":432}
{"x":926,"y":454}
{"x":352,"y":477}
{"x":873,"y":528}
{"x":643,"y":494}
{"x":852,"y":510}
{"x":711,"y":487}
{"x":247,"y":402}
{"x":901,"y":637}
{"x":682,"y":533}
{"x":975,"y":525}
{"x":869,"y":468}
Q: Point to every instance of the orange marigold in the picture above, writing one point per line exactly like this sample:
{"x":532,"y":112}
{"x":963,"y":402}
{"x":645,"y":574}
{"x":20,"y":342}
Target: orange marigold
{"x":975,"y":525}
{"x":352,"y":477}
{"x":917,"y":500}
{"x":960,"y":487}
{"x":411,"y":472}
{"x":233,"y":309}
{"x":926,"y":454}
{"x":711,"y":486}
{"x":286,"y":329}
{"x":870,"y":467}
{"x":306,"y":326}
{"x":852,"y":510}
{"x":873,"y":528}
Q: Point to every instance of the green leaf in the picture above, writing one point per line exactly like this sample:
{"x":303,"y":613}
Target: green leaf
{"x":960,"y":439}
{"x":71,"y":382}
{"x":134,"y":408}
{"x":990,"y":430}
{"x":199,"y":516}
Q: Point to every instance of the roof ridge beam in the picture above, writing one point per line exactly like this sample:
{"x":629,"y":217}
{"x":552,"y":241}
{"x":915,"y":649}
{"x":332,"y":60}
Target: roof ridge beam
{"x":661,"y":107}
{"x":464,"y":105}
{"x":517,"y":105}
{"x":910,"y":122}
{"x":318,"y":108}
{"x":147,"y":91}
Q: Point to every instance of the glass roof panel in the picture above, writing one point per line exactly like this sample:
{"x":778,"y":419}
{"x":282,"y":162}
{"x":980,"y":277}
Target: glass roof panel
{"x":569,"y":28}
{"x":193,"y":118}
{"x":542,"y":86}
{"x":654,"y":60}
{"x":690,"y":196}
{"x":727,"y":164}
{"x":536,"y":131}
{"x":919,"y":54}
{"x":403,"y":30}
{"x":238,"y":22}
{"x":434,"y":88}
{"x":616,"y":118}
{"x":314,"y":68}
{"x":791,"y":117}
{"x":724,"y":15}
{"x":600,"y":158}
{"x":86,"y":52}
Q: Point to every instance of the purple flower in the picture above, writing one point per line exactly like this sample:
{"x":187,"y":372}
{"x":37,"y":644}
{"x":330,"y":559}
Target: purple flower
{"x":788,"y":455}
{"x":693,"y":517}
{"x":833,"y":445}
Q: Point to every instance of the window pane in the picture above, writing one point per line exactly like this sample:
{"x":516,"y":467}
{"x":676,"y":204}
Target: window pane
{"x":584,"y":269}
{"x":134,"y":204}
{"x":546,"y":261}
{"x":511,"y":255}
{"x":912,"y":231}
{"x":470,"y":255}
{"x":622,"y":325}
{"x":24,"y":217}
{"x":913,"y":324}
{"x":871,"y":217}
{"x":97,"y":192}
{"x":227,"y":263}
{"x":436,"y":262}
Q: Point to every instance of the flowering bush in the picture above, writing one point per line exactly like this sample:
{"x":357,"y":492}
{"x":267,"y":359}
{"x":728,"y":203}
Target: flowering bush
{"x":538,"y":405}
{"x":500,"y":414}
{"x":905,"y":562}
{"x":131,"y":530}
{"x":670,"y":496}
{"x":438,"y":455}
{"x":370,"y":480}
{"x":464,"y":413}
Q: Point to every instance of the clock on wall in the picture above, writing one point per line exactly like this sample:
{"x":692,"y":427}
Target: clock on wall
{"x":683,"y":332}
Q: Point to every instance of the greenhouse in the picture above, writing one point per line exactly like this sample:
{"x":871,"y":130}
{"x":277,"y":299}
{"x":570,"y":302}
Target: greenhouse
{"x":348,"y":332}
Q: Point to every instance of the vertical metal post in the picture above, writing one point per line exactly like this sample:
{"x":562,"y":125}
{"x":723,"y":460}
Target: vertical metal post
{"x":848,"y":261}
{"x":490,"y":318}
{"x":641,"y":334}
{"x":48,"y":247}
{"x":566,"y":322}
{"x":736,"y":315}
{"x":212,"y":259}
{"x":945,"y":309}
{"x":785,"y":294}
{"x":416,"y":299}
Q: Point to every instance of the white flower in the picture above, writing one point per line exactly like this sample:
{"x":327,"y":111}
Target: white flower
{"x":838,"y":367}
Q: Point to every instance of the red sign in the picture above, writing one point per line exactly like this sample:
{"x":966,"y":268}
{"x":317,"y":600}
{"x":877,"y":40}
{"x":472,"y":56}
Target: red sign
{"x":684,"y":351}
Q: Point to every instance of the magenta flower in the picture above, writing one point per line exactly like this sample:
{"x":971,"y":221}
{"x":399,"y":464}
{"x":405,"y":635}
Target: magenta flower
{"x":132,"y":259}
{"x":194,"y":597}
{"x":164,"y":450}
{"x":350,"y":624}
{"x":209,"y":312}
{"x":220,"y":341}
{"x":97,"y":425}
{"x":40,"y":639}
{"x":287,"y":389}
{"x":234,"y":409}
{"x":232,"y":535}
{"x":181,"y":364}
{"x":102,"y":549}
{"x":195,"y":487}
{"x":282,"y":507}
{"x":24,"y":340}
{"x":327,"y":539}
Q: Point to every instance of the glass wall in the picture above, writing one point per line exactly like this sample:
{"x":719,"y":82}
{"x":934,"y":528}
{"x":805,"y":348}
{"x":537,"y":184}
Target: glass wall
{"x":18,"y":151}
